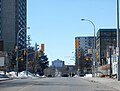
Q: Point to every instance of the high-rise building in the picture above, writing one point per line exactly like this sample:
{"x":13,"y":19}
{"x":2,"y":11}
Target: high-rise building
{"x":13,"y":17}
{"x":83,"y":45}
{"x":105,"y":39}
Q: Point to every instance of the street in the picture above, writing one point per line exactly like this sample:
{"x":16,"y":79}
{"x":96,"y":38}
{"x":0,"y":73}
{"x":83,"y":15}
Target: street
{"x":52,"y":84}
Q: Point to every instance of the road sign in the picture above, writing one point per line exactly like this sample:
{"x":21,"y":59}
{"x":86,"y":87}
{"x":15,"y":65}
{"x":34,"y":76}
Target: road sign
{"x":117,"y":50}
{"x":2,"y":59}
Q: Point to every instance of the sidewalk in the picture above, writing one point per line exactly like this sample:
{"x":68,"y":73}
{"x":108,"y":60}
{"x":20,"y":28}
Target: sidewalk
{"x":106,"y":81}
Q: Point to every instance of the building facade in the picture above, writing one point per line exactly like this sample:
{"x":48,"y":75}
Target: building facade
{"x":85,"y":43}
{"x":13,"y":17}
{"x":106,"y":38}
{"x":83,"y":47}
{"x":58,"y":63}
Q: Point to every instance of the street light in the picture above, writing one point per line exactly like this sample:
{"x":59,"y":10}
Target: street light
{"x":117,"y":48}
{"x":94,"y":59}
{"x":17,"y":47}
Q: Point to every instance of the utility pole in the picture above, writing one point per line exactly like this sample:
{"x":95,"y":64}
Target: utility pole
{"x":110,"y":47}
{"x":94,"y":50}
{"x":28,"y":45}
{"x":36,"y":57}
{"x":77,"y":54}
{"x":117,"y":48}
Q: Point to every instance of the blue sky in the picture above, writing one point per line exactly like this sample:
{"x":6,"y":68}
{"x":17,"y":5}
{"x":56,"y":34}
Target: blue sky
{"x":56,"y":23}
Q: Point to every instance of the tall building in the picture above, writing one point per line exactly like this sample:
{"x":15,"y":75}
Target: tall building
{"x":83,"y":46}
{"x":13,"y":17}
{"x":85,"y":43}
{"x":105,"y":39}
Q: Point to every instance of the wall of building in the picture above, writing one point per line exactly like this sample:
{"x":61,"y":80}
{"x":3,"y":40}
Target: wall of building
{"x":105,"y":38}
{"x":57,"y":63}
{"x":12,"y":17}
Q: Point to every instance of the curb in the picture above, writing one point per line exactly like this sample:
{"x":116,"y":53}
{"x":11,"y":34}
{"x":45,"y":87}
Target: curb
{"x":5,"y":79}
{"x":109,"y":85}
{"x":90,"y":80}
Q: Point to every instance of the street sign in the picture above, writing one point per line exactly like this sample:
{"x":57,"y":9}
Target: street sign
{"x":117,"y":51}
{"x":2,"y":59}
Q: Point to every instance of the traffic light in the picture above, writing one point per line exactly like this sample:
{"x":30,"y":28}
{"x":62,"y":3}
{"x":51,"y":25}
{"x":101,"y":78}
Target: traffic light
{"x":79,"y":54}
{"x":42,"y":47}
{"x":91,"y":50}
{"x":24,"y":53}
{"x":22,"y":59}
{"x":39,"y":54}
{"x":17,"y":59}
{"x":97,"y":55}
{"x":90,"y":59}
{"x":87,"y":59}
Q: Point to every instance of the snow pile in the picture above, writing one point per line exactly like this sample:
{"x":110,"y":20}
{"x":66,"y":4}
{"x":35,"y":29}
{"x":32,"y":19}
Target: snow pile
{"x":88,"y":75}
{"x":1,"y":72}
{"x":12,"y":74}
{"x":23,"y":74}
{"x":20,"y":74}
{"x":76,"y":76}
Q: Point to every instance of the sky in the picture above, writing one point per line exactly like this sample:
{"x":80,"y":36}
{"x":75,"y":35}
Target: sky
{"x":56,"y":23}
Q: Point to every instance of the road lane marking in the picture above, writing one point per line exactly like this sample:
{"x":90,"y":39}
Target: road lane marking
{"x":24,"y":88}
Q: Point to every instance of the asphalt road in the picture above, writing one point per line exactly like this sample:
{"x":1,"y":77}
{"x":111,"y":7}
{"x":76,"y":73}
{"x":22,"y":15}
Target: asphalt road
{"x":52,"y":84}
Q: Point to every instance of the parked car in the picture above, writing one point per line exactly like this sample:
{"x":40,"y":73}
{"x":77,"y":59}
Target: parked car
{"x":3,"y":76}
{"x":82,"y":75}
{"x":65,"y":75}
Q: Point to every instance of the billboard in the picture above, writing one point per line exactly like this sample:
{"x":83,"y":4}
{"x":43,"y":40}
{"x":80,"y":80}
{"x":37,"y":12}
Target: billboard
{"x":2,"y":59}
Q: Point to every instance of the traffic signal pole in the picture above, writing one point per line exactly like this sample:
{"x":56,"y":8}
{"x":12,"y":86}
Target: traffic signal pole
{"x":36,"y":45}
{"x":28,"y":41}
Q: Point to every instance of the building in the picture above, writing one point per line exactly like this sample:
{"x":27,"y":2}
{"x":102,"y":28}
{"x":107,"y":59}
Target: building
{"x":13,"y":17}
{"x":83,"y":47}
{"x":106,"y":38}
{"x":85,"y":43}
{"x":58,"y":63}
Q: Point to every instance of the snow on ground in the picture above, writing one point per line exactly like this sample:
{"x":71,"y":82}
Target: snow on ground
{"x":88,"y":75}
{"x":76,"y":76}
{"x":20,"y":74}
{"x":23,"y":74}
{"x":1,"y":72}
{"x":12,"y":74}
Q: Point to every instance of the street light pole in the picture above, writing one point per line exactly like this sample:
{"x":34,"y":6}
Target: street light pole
{"x":27,"y":56}
{"x":110,"y":47}
{"x":17,"y":46}
{"x":117,"y":48}
{"x":36,"y":58}
{"x":94,"y":58}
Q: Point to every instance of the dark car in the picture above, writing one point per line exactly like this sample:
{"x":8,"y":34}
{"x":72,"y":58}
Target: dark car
{"x":82,"y":74}
{"x":65,"y":75}
{"x":49,"y":76}
{"x":3,"y":76}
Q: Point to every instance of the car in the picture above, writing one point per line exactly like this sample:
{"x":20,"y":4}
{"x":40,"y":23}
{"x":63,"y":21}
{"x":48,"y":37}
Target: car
{"x":3,"y":76}
{"x":65,"y":75}
{"x":49,"y":76}
{"x":82,"y":75}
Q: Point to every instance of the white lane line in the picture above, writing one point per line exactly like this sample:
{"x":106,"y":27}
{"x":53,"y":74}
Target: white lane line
{"x":24,"y":88}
